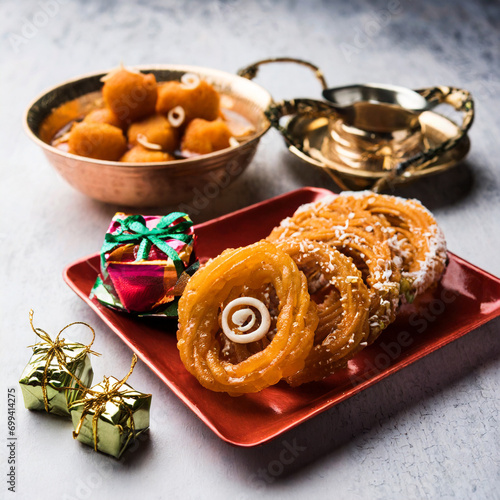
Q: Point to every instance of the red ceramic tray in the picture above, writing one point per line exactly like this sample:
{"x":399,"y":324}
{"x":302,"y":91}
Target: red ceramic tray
{"x":466,"y":298}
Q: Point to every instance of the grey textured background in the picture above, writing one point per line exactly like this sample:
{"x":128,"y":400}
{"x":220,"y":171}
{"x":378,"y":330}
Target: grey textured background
{"x":431,"y":430}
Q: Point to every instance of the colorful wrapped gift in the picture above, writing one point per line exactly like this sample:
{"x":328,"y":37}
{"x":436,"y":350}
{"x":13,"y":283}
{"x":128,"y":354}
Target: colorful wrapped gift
{"x":57,"y":373}
{"x":111,"y":415}
{"x":145,"y":263}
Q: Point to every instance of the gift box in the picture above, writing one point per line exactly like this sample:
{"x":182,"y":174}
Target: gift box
{"x":145,"y":263}
{"x":57,"y":373}
{"x":110,"y":416}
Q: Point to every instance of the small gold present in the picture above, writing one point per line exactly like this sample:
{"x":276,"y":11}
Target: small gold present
{"x":110,"y":415}
{"x":57,"y":373}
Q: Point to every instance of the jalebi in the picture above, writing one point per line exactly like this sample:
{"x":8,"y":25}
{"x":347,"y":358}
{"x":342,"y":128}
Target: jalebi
{"x":414,"y":236}
{"x":343,"y":307}
{"x":360,"y":236}
{"x":217,"y":304}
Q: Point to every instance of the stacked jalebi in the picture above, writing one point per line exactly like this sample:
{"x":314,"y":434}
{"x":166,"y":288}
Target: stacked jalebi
{"x":343,"y":307}
{"x":360,"y":236}
{"x":416,"y":240}
{"x":208,"y":306}
{"x":300,"y":304}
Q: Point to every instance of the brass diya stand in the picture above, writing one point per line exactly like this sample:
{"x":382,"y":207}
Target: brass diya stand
{"x":372,"y":136}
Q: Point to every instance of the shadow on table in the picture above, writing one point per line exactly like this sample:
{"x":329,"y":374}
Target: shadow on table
{"x":242,"y":192}
{"x":434,"y":191}
{"x":325,"y":435}
{"x":443,"y":189}
{"x":139,"y":450}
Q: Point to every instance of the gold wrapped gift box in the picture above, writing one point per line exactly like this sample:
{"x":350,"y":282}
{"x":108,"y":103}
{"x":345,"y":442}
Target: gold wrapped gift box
{"x":61,"y":388}
{"x":110,"y":416}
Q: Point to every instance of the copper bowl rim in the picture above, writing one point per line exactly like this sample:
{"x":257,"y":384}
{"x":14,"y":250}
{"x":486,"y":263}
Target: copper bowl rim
{"x":150,"y":165}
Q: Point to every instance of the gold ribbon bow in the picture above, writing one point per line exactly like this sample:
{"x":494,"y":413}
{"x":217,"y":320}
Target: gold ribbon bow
{"x":95,"y":401}
{"x":55,"y":350}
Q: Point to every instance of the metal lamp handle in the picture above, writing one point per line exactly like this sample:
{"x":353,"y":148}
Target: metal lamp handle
{"x":308,"y":107}
{"x":461,"y":100}
{"x":278,"y":110}
{"x":250,"y":72}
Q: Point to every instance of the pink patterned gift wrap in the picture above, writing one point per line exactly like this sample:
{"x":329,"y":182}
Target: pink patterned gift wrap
{"x":146,"y":262}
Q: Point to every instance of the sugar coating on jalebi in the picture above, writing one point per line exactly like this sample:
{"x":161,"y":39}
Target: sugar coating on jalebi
{"x":230,"y":275}
{"x":360,"y":236}
{"x":414,"y":236}
{"x":343,"y":307}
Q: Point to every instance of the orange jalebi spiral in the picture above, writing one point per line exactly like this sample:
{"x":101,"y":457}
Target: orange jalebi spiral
{"x":343,"y":307}
{"x":360,"y":236}
{"x":413,"y":234}
{"x":233,"y":274}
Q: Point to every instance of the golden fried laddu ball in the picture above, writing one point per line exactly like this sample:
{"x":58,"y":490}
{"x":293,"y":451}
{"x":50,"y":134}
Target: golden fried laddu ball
{"x":97,"y":140}
{"x":131,"y":96}
{"x":139,"y":154}
{"x":204,"y":137}
{"x":157,"y":130}
{"x":201,"y":101}
{"x":103,"y":115}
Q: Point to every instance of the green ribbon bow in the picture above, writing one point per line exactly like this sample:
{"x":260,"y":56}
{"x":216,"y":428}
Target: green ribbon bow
{"x":133,"y":229}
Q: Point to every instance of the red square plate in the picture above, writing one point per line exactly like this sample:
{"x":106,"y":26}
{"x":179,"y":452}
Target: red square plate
{"x":466,"y":298}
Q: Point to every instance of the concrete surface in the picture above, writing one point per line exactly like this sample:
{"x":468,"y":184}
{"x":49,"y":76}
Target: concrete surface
{"x":429,"y":431}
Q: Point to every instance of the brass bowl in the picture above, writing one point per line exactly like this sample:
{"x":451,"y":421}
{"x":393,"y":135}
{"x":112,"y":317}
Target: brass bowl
{"x":148,"y":184}
{"x":313,"y":134}
{"x":372,"y":136}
